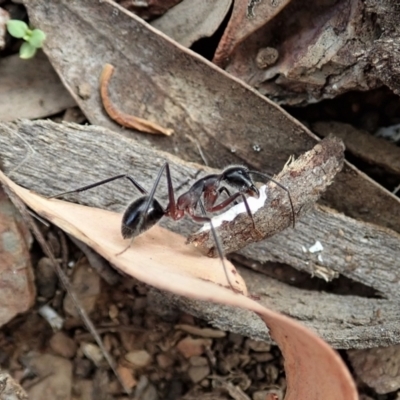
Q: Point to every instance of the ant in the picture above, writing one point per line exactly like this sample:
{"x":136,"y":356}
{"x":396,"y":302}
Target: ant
{"x":146,"y":211}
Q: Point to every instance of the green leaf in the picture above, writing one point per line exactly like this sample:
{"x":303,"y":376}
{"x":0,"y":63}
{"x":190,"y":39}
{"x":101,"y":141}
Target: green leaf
{"x":27,"y":51}
{"x":17,"y":28}
{"x":37,"y":38}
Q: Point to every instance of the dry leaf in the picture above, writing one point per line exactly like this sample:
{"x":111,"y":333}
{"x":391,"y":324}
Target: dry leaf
{"x":160,"y":258}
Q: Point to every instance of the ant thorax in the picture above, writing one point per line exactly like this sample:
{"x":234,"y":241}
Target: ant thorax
{"x":254,"y":204}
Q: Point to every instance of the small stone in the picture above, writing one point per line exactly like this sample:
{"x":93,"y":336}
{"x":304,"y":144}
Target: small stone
{"x":271,"y":394}
{"x":257,"y":345}
{"x":86,"y":284}
{"x":262,"y":357}
{"x":379,"y":368}
{"x":203,"y":332}
{"x":145,"y":389}
{"x":83,"y":389}
{"x":271,"y":373}
{"x":197,"y":361}
{"x":205,"y":383}
{"x":92,"y":352}
{"x":113,"y":311}
{"x":63,"y":345}
{"x":164,"y":361}
{"x":54,"y":377}
{"x":127,"y":377}
{"x":235,"y":338}
{"x":46,"y":278}
{"x":139,"y":303}
{"x":197,"y":374}
{"x":260,"y":395}
{"x":138,"y":358}
{"x":190,"y":347}
{"x":82,"y":367}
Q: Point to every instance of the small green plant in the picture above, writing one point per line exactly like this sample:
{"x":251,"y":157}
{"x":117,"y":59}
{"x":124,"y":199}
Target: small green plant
{"x":34,"y":38}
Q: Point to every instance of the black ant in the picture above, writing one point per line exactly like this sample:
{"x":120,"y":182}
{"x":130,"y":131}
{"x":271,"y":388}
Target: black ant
{"x":146,"y":211}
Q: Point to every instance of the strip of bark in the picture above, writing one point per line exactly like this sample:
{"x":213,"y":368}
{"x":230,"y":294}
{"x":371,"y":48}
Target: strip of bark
{"x":58,"y":157}
{"x":306,"y":179}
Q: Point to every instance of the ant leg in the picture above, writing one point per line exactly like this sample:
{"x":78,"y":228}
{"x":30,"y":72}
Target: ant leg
{"x":126,"y":248}
{"x":93,"y":185}
{"x":171,"y":208}
{"x":150,"y":198}
{"x":231,"y":199}
{"x":224,"y":189}
{"x":203,"y":219}
{"x":228,"y":193}
{"x":282,"y":187}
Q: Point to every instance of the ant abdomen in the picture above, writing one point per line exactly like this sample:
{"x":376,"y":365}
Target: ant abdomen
{"x":136,"y":220}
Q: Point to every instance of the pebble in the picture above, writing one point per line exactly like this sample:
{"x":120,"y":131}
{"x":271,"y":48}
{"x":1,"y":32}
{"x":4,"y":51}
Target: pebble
{"x":126,"y":376}
{"x":197,"y":374}
{"x":236,"y":339}
{"x":262,"y":357}
{"x":82,"y":367}
{"x":271,"y":373}
{"x":113,"y":311}
{"x":93,"y":353}
{"x":63,"y":345}
{"x":164,"y":361}
{"x":46,"y":278}
{"x":139,"y":303}
{"x":190,"y":347}
{"x":197,"y":361}
{"x":257,"y":345}
{"x":202,"y":332}
{"x":138,"y":358}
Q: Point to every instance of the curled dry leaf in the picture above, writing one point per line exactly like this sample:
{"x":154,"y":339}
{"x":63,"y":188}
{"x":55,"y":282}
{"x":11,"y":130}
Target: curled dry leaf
{"x":126,"y":120}
{"x":160,"y":258}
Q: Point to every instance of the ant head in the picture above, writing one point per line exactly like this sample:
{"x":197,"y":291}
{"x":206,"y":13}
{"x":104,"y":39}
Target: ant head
{"x":240,"y":178}
{"x":137,"y":220}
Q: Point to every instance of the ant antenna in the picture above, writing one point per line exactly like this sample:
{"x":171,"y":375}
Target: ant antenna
{"x":282,"y":187}
{"x":93,"y":185}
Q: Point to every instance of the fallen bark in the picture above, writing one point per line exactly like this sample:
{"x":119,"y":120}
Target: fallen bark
{"x":158,"y":77}
{"x":306,"y":179}
{"x":58,"y":157}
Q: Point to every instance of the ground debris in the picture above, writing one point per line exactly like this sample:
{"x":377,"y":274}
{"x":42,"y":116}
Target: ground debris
{"x":379,"y":368}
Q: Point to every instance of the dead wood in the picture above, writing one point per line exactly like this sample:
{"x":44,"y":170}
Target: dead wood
{"x":321,"y":51}
{"x":178,"y":89}
{"x":306,"y":179}
{"x":374,"y":150}
{"x":68,"y":156}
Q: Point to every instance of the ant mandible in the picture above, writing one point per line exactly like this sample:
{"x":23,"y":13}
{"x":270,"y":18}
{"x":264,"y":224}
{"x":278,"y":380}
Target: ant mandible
{"x":146,"y":211}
